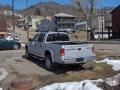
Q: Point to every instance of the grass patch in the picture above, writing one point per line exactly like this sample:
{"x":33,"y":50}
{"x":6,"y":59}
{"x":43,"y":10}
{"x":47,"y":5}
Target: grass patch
{"x":91,"y":71}
{"x":105,"y":54}
{"x":96,"y":71}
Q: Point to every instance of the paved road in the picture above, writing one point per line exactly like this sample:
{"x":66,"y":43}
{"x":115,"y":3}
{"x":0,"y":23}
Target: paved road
{"x":113,"y":49}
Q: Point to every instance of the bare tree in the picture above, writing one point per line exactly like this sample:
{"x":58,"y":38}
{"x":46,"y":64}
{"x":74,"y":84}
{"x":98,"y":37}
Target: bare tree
{"x":38,"y":11}
{"x":86,"y":8}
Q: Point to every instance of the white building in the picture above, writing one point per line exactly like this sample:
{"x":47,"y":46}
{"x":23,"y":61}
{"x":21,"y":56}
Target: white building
{"x":32,"y":22}
{"x":60,"y":22}
{"x":64,"y":22}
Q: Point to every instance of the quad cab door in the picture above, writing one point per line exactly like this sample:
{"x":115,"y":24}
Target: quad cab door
{"x":33,"y":45}
{"x":40,"y":45}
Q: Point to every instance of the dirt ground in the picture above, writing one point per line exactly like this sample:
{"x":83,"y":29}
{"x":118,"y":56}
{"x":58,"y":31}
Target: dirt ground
{"x":18,"y":66}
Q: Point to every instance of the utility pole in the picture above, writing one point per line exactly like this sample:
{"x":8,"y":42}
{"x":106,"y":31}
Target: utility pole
{"x":102,"y":25}
{"x":26,"y":4}
{"x":13,"y":16}
{"x":102,"y":20}
{"x":27,"y":21}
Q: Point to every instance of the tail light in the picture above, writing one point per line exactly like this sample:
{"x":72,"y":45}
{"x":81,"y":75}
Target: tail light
{"x":62,"y":52}
{"x":93,"y":49}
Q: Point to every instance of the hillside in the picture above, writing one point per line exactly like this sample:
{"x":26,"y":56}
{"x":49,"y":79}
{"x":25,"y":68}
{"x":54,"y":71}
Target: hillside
{"x":52,"y":8}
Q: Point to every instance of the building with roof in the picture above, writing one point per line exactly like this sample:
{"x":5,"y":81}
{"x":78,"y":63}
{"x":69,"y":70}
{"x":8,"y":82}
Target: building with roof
{"x":31,"y":21}
{"x":64,"y":22}
{"x":116,"y":22}
{"x":102,"y":23}
{"x":5,"y":27}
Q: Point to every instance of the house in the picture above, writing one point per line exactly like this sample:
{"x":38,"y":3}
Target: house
{"x":3,"y":28}
{"x":31,"y":21}
{"x":21,"y":22}
{"x":102,"y":24}
{"x":64,"y":22}
{"x":99,"y":23}
{"x":59,"y":22}
{"x":8,"y":12}
{"x":116,"y":22}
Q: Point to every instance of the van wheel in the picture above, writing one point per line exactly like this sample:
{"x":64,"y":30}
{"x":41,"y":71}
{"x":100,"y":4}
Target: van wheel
{"x":49,"y":64}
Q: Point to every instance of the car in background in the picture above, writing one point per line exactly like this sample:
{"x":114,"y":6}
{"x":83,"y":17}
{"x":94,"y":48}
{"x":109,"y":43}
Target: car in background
{"x":9,"y":44}
{"x":9,"y":36}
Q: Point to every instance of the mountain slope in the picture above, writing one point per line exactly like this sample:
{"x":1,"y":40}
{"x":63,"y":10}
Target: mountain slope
{"x":52,"y":8}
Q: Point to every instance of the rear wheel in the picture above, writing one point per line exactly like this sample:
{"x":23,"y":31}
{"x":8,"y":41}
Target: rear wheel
{"x":15,"y":46}
{"x":48,"y":63}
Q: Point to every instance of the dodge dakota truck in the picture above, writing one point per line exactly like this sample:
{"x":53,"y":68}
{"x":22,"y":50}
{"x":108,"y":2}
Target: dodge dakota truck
{"x":56,"y":48}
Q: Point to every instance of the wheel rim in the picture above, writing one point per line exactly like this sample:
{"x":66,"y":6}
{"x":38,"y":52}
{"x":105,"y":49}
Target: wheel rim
{"x":48,"y":63}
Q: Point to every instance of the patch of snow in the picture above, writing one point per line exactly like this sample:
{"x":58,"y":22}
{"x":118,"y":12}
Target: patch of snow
{"x":114,"y":63}
{"x":3,"y":73}
{"x":113,"y":81}
{"x":96,"y":82}
{"x":1,"y":89}
{"x":83,"y":85}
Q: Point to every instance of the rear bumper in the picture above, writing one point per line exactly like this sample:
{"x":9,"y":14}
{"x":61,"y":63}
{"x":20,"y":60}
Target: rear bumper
{"x":75,"y":61}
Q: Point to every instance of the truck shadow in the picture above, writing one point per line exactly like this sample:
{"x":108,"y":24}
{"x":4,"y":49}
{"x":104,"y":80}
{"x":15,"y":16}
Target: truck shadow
{"x":60,"y":69}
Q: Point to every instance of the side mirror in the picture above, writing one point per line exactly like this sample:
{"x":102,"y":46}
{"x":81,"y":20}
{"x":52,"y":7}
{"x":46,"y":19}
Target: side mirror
{"x":29,"y":39}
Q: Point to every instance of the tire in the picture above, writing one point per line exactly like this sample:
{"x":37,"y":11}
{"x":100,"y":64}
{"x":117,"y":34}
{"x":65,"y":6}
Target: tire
{"x":27,"y":55}
{"x":15,"y":46}
{"x":49,"y":64}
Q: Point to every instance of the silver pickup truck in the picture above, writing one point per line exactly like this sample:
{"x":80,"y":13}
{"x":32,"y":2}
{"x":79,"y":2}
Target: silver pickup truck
{"x":56,"y":47}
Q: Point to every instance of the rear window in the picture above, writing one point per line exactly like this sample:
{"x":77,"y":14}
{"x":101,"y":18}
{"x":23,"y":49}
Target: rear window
{"x":57,"y":37}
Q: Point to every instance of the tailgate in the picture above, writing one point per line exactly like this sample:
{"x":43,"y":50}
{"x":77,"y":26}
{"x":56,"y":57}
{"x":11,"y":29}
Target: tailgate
{"x":78,"y":51}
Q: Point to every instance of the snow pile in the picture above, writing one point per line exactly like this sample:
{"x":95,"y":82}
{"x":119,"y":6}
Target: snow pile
{"x":83,"y":85}
{"x":113,"y":81}
{"x":114,"y":63}
{"x":3,"y":73}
